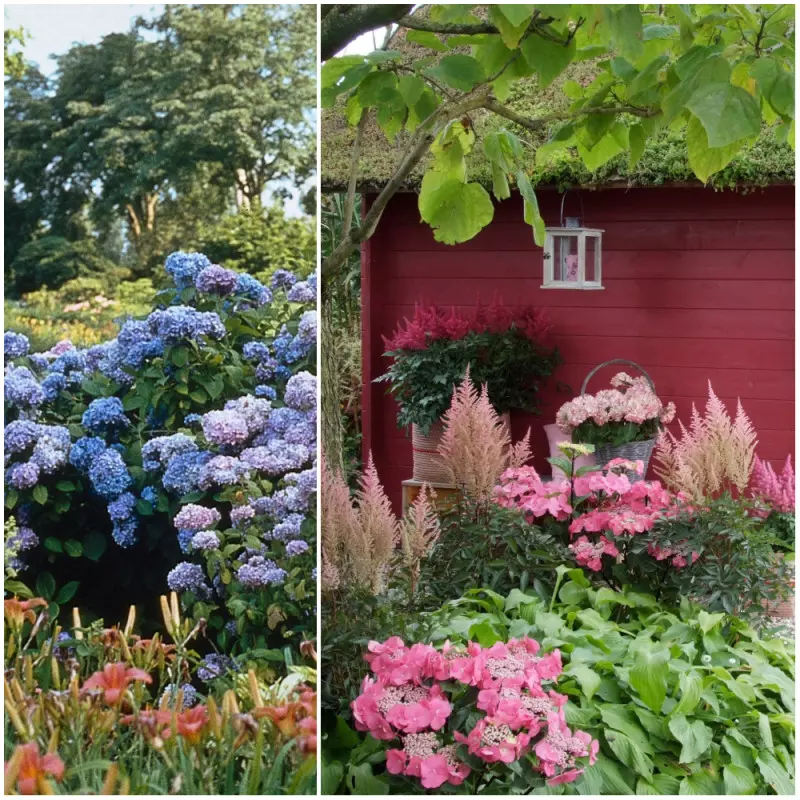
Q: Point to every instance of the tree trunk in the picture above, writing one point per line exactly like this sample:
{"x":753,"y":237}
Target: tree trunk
{"x":331,"y":399}
{"x":136,"y":227}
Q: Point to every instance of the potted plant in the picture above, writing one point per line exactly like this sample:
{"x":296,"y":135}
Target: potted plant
{"x":621,"y":422}
{"x":507,"y":349}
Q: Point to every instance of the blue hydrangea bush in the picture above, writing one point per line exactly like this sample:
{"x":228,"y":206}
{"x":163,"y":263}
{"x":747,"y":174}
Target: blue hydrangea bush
{"x":180,"y":455}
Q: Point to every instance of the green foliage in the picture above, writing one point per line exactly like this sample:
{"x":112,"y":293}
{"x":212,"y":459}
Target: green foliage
{"x":51,"y":261}
{"x":725,"y":73}
{"x":682,"y":701}
{"x":260,"y":241}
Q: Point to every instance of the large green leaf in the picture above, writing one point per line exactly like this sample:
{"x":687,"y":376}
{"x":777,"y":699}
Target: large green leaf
{"x":458,"y":71}
{"x":456,"y":211}
{"x":515,"y":13}
{"x":511,"y":21}
{"x":711,"y":69}
{"x":774,"y":774}
{"x":728,"y":113}
{"x":608,"y":146}
{"x":738,"y":780}
{"x":705,"y":160}
{"x":629,"y":753}
{"x":695,"y":737}
{"x":411,"y":88}
{"x":377,"y":88}
{"x":588,"y":679}
{"x":427,"y":39}
{"x":691,"y":687}
{"x":649,"y":676}
{"x":531,"y":212}
{"x":776,"y":85}
{"x":549,"y":59}
{"x":626,"y":29}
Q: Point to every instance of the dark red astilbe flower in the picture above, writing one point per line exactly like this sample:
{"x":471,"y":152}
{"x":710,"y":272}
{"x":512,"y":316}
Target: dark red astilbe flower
{"x":534,"y":323}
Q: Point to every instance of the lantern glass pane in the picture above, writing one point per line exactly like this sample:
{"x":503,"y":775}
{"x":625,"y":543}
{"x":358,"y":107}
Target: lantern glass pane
{"x":592,"y":259}
{"x":566,"y":259}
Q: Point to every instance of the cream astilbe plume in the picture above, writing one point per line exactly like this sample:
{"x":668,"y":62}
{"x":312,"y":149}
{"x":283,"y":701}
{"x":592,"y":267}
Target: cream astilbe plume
{"x":345,"y":554}
{"x":377,"y":522}
{"x":475,"y":444}
{"x":419,"y":531}
{"x":520,"y":453}
{"x":712,"y":454}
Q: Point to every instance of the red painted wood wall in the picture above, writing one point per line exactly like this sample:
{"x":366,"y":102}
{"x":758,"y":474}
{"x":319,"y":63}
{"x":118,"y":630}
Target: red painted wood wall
{"x":699,"y":285}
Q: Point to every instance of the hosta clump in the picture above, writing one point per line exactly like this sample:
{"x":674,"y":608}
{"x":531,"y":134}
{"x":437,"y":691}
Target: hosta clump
{"x":460,"y":714}
{"x":181,"y":453}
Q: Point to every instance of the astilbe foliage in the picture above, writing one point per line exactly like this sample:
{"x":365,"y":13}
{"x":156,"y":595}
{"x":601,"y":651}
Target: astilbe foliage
{"x":460,"y":712}
{"x":712,"y":455}
{"x":476,"y":446}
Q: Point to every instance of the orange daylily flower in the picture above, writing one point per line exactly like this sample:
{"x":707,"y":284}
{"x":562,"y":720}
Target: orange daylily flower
{"x":114,"y":680}
{"x":17,"y":611}
{"x":33,"y":769}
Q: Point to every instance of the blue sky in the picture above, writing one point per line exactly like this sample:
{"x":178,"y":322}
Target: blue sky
{"x":53,"y":29}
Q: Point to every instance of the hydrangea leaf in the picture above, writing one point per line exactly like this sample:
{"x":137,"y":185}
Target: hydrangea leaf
{"x":695,"y":737}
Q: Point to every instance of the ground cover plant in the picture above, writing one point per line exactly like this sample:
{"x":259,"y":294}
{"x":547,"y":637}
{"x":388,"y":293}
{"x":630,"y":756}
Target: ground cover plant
{"x":91,"y":709}
{"x":179,"y":454}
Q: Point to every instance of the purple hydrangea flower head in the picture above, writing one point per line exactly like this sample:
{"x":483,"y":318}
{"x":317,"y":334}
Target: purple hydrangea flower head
{"x":187,"y":577}
{"x":185,"y":267}
{"x":223,"y":471}
{"x":260,"y":572}
{"x":215,"y":665}
{"x":15,"y":345}
{"x":296,"y":547}
{"x":19,"y":436}
{"x":255,"y":351}
{"x":283,"y":279}
{"x":184,"y":471}
{"x":288,"y":528}
{"x":205,"y":540}
{"x":84,"y":451}
{"x":189,"y":696}
{"x":109,"y":475}
{"x":122,"y":508}
{"x":301,"y":292}
{"x":225,"y":428}
{"x":276,"y":457}
{"x":301,"y":391}
{"x":241,"y":514}
{"x":105,"y":415}
{"x":265,"y":370}
{"x":21,"y":388}
{"x":23,"y":476}
{"x":124,"y":532}
{"x":307,"y":328}
{"x":24,"y":539}
{"x":160,"y":451}
{"x":196,"y":518}
{"x":216,"y":280}
{"x":50,"y":452}
{"x":254,"y":411}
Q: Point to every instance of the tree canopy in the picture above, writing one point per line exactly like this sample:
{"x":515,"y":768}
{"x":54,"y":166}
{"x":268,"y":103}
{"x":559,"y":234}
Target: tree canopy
{"x":162,"y":129}
{"x":717,"y":73}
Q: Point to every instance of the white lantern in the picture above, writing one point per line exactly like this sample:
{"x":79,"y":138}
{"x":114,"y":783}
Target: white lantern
{"x":572,"y":255}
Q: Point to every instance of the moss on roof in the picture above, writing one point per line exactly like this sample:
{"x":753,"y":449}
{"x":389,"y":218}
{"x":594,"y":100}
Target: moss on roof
{"x":664,"y":161}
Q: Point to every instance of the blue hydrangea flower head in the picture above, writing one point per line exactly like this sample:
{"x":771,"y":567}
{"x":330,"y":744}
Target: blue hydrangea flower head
{"x":19,"y":436}
{"x":15,"y":345}
{"x":104,"y":416}
{"x":283,"y":279}
{"x":217,"y":280}
{"x":185,"y":267}
{"x":109,"y":475}
{"x":84,"y":451}
{"x":187,"y":577}
{"x":23,"y":476}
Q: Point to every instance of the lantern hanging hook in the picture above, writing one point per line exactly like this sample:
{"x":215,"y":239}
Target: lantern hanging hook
{"x":563,"y":200}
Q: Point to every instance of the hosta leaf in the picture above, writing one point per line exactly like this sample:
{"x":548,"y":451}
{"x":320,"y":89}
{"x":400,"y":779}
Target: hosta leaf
{"x":629,"y":753}
{"x":695,"y":737}
{"x":728,"y":113}
{"x":738,"y":780}
{"x":588,"y":679}
{"x":649,"y":677}
{"x":691,"y":687}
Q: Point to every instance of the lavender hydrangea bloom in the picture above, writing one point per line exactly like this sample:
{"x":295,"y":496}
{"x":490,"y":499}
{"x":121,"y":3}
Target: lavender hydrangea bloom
{"x":20,"y":435}
{"x":185,"y":267}
{"x":23,"y":476}
{"x":283,"y":279}
{"x":160,"y":451}
{"x":265,"y":371}
{"x":205,"y":540}
{"x":240,"y":514}
{"x":15,"y":345}
{"x":260,"y":572}
{"x":296,"y":547}
{"x":184,"y":471}
{"x":105,"y":415}
{"x":225,"y":428}
{"x":288,"y":528}
{"x":84,"y":451}
{"x":223,"y":471}
{"x":255,"y":351}
{"x":24,"y":539}
{"x":215,"y":665}
{"x":301,"y":391}
{"x":276,"y":457}
{"x":50,"y":452}
{"x":196,"y":518}
{"x":109,"y":475}
{"x":307,"y":328}
{"x":301,"y":292}
{"x":254,"y":411}
{"x":21,"y":388}
{"x":188,"y":693}
{"x":187,"y":577}
{"x":216,"y":280}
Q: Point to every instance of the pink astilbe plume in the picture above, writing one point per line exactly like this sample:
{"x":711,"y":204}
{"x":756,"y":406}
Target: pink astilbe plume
{"x":776,"y":491}
{"x":419,"y":530}
{"x":475,"y":444}
{"x":713,"y":454}
{"x":378,"y":523}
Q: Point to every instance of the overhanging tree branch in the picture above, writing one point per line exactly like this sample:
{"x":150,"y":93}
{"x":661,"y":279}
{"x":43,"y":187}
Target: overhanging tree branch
{"x":342,"y":23}
{"x":537,"y":123}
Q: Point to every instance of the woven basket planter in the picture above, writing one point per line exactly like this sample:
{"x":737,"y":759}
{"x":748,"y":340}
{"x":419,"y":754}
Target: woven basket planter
{"x":633,"y":451}
{"x":428,"y":464}
{"x":783,"y":609}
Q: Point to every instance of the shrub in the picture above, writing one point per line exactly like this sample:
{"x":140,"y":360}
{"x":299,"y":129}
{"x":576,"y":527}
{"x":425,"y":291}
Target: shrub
{"x":507,"y":350}
{"x":681,"y":701}
{"x":180,"y":452}
{"x":105,"y":711}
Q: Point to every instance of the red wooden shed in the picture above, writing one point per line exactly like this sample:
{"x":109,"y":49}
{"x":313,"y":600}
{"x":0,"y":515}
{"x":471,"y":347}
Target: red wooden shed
{"x":699,"y":286}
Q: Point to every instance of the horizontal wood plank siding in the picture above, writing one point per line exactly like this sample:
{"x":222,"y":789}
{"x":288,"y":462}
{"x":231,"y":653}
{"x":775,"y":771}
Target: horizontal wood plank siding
{"x":699,"y":287}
